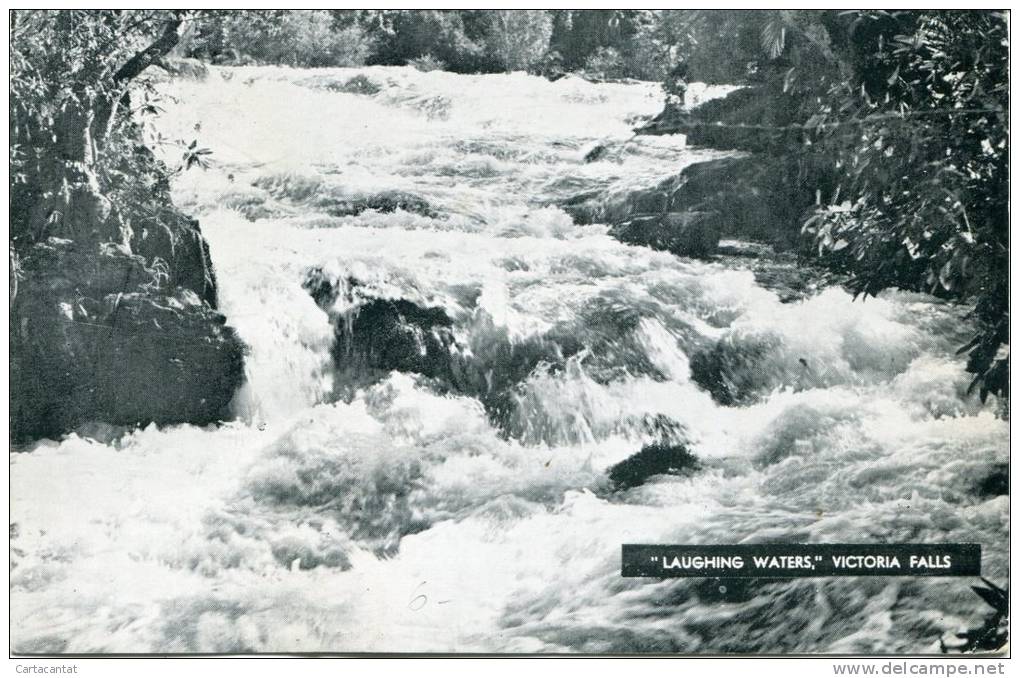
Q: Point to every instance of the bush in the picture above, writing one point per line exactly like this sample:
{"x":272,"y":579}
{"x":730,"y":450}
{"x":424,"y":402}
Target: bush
{"x":427,"y":63}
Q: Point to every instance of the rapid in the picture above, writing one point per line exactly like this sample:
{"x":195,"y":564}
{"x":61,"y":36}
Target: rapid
{"x":460,"y":500}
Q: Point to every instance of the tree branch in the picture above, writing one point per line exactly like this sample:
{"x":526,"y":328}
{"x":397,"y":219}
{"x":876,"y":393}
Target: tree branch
{"x":106,"y":111}
{"x":154,"y":52}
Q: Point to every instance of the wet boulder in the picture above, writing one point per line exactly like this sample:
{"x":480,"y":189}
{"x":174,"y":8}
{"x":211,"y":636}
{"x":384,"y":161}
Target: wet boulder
{"x":747,"y":119}
{"x":396,"y":334}
{"x":689,"y":234}
{"x":652,"y":460}
{"x":358,"y":84}
{"x":737,"y":372}
{"x":315,"y":193}
{"x":594,"y":207}
{"x":97,"y":335}
{"x":995,"y":482}
{"x":760,"y":198}
{"x":599,"y":152}
{"x":384,"y":202}
{"x":377,"y":335}
{"x":585,"y":208}
{"x":171,"y":243}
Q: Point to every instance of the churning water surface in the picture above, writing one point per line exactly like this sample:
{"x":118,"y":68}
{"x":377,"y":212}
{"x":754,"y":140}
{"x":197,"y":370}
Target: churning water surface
{"x":350,"y":508}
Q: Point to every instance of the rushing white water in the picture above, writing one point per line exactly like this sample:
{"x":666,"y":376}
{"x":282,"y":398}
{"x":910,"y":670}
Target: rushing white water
{"x":412,"y":516}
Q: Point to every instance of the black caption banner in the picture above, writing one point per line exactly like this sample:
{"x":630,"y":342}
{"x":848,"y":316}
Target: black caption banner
{"x":802,"y":560}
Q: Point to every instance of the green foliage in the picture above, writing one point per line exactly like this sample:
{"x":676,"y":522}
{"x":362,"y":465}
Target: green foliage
{"x":195,"y":157}
{"x":286,"y":37}
{"x":993,"y":634}
{"x":605,"y":43}
{"x":643,"y":44}
{"x":720,"y":47}
{"x":72,"y":73}
{"x":518,"y":39}
{"x":400,"y":36}
{"x":580,"y":34}
{"x":653,"y":48}
{"x":605,"y":63}
{"x":921,"y":139}
{"x":427,"y":63}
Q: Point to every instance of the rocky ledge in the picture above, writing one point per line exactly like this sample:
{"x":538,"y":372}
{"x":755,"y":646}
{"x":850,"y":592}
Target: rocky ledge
{"x":762,"y":190}
{"x":104,"y":332}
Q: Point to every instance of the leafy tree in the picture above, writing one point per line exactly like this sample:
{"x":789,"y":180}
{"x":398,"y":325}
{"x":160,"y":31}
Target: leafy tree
{"x":921,"y":137}
{"x":401,"y":36}
{"x":605,"y":63}
{"x":579,"y":34}
{"x":71,"y":71}
{"x":720,"y":47}
{"x":518,"y":39}
{"x":286,"y":37}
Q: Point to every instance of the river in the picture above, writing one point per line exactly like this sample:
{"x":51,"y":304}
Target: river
{"x":355,"y":509}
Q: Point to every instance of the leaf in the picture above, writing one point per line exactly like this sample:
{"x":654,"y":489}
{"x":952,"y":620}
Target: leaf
{"x":969,"y":345}
{"x":996,"y":598}
{"x":945,"y":275}
{"x":773,"y":38}
{"x":788,"y":79}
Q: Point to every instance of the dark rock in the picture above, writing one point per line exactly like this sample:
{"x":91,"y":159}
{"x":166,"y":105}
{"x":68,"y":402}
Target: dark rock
{"x":172,"y":244}
{"x":732,"y":374}
{"x":790,"y":275}
{"x":584,"y":208}
{"x":691,"y":234}
{"x":316,"y":194}
{"x":397,"y":335}
{"x":739,"y":248}
{"x":107,"y":269}
{"x":754,"y":197}
{"x":359,"y":84}
{"x":97,"y":336}
{"x":381,"y":335}
{"x":758,"y":197}
{"x":597,"y":153}
{"x":652,"y":460}
{"x":749,"y":119}
{"x":995,"y":484}
{"x":385,"y":202}
{"x":764,"y":197}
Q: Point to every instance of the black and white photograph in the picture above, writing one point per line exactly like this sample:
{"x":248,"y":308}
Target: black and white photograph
{"x":523,"y":332}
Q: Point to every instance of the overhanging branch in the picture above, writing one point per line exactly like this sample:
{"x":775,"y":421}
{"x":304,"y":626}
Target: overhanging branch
{"x":157,"y":50}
